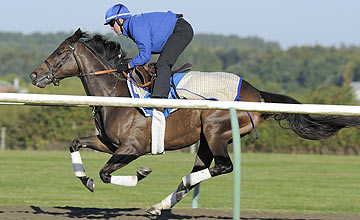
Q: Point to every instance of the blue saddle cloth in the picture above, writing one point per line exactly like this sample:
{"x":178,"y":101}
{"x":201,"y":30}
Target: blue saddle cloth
{"x":195,"y":85}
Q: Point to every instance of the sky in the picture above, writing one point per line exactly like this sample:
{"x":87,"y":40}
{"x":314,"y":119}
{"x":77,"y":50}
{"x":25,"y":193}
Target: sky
{"x":288,"y":22}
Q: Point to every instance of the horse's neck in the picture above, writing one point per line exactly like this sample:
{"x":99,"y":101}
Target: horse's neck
{"x":101,"y":85}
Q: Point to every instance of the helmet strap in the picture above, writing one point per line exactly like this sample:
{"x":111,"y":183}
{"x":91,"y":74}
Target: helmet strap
{"x":117,"y":19}
{"x":121,"y":25}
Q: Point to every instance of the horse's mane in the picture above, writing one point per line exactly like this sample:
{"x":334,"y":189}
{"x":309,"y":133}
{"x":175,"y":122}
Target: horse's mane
{"x":110,"y":50}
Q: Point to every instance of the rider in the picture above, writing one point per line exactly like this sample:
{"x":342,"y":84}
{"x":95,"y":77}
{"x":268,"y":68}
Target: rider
{"x":164,"y":33}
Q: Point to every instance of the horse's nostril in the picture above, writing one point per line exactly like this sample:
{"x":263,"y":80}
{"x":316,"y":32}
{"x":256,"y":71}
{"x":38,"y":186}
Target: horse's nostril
{"x":33,"y":75}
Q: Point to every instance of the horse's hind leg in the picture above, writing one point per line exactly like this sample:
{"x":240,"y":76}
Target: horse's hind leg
{"x":217,"y":134}
{"x":203,"y":160}
{"x":91,"y":142}
{"x":188,"y":183}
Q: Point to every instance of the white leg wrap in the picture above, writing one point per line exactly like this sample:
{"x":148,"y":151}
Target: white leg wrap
{"x":157,"y":132}
{"x":196,"y":177}
{"x":124,"y":180}
{"x":169,"y":201}
{"x":77,"y":164}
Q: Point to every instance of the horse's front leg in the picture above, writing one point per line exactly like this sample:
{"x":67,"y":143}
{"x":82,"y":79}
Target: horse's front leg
{"x":92,"y":142}
{"x":123,"y":156}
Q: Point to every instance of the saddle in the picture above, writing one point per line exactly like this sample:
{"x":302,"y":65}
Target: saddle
{"x":146,"y":75}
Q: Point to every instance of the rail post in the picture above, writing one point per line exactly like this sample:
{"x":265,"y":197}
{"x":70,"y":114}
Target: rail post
{"x":2,"y":144}
{"x":237,"y":163}
{"x":195,"y":200}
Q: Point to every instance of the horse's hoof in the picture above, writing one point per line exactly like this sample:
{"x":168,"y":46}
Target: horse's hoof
{"x":142,"y":172}
{"x":153,"y":211}
{"x":90,"y":184}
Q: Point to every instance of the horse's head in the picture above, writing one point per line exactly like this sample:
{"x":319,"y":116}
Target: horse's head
{"x":60,"y":64}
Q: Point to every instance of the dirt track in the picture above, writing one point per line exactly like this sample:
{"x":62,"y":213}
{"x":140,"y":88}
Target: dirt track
{"x":42,"y":213}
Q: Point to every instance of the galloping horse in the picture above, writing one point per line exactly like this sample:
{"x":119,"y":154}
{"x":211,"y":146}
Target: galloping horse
{"x":125,"y":132}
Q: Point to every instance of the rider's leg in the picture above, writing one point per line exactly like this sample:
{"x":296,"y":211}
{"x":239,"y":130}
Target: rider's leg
{"x":174,"y":46}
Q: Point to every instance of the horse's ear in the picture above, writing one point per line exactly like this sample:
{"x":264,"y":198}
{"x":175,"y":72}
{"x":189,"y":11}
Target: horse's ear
{"x":78,"y":32}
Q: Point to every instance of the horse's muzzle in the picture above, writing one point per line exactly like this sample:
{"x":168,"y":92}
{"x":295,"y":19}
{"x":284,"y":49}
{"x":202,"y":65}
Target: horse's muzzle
{"x":39,"y":82}
{"x":33,"y":76}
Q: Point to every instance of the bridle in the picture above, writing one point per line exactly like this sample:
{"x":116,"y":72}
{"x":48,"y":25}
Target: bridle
{"x":56,"y":79}
{"x":53,"y":70}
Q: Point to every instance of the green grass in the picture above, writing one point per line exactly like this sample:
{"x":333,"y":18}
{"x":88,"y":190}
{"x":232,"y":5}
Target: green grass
{"x":270,"y":182}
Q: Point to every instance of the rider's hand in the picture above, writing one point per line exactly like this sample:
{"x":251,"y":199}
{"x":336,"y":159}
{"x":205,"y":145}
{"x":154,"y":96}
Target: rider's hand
{"x":122,"y":67}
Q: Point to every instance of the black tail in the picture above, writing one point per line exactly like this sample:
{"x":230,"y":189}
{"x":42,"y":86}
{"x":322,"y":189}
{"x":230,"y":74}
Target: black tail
{"x":306,"y":126}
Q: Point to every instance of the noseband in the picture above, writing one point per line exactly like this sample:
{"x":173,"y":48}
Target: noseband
{"x":53,"y":70}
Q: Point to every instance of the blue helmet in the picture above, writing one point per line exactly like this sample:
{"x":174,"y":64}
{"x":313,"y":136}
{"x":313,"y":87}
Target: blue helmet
{"x":115,"y":12}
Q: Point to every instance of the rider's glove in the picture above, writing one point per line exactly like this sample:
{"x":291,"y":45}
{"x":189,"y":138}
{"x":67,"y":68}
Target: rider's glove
{"x":122,"y":67}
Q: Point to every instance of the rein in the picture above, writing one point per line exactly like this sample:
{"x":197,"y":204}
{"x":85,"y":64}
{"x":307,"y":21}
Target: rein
{"x":134,"y":82}
{"x":111,"y":71}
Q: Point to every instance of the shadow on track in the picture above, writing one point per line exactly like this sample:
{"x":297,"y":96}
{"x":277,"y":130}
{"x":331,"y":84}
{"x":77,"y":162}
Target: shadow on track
{"x":118,"y":213}
{"x":68,"y":212}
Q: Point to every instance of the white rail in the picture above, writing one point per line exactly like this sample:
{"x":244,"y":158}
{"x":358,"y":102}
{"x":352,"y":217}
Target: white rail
{"x":71,"y":100}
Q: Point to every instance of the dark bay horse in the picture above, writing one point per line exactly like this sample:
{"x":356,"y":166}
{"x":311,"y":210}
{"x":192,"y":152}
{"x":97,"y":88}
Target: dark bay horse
{"x":125,"y":132}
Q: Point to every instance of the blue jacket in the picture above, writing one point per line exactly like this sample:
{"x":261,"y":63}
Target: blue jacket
{"x":150,"y":32}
